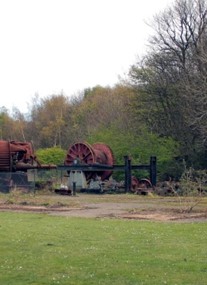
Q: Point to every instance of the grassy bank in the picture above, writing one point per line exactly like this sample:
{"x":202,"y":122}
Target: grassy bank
{"x":42,"y":249}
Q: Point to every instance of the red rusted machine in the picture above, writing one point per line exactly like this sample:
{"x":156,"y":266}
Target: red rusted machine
{"x":86,"y":154}
{"x":90,"y":166}
{"x":18,"y":156}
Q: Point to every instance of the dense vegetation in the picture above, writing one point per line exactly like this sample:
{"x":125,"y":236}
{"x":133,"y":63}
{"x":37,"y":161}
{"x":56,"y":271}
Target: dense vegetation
{"x":161,"y":109}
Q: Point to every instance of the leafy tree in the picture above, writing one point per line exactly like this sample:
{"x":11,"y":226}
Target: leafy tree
{"x":4,"y":121}
{"x":19,"y":125}
{"x":49,"y":120}
{"x":139,"y":148}
{"x":12,"y":128}
{"x":100,"y":108}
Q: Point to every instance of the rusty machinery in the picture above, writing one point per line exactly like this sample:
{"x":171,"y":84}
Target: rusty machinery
{"x":17,"y":158}
{"x":96,"y":162}
{"x":86,"y":154}
{"x":92,"y":163}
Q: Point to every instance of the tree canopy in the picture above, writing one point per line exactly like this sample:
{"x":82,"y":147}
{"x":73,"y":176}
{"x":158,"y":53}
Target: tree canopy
{"x":161,"y":109}
{"x":172,"y":78}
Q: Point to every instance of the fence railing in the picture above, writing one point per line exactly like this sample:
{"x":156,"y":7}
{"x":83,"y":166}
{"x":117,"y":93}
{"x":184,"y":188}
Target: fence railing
{"x":35,"y":179}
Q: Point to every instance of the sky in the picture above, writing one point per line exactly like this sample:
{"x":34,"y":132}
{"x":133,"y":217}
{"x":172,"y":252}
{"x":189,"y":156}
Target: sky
{"x":52,"y":47}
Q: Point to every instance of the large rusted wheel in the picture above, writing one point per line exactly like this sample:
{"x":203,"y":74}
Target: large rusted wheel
{"x":84,"y":153}
{"x":145,"y":183}
{"x":107,"y":158}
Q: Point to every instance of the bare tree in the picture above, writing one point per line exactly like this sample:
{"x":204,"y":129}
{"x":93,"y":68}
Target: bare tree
{"x":172,"y":77}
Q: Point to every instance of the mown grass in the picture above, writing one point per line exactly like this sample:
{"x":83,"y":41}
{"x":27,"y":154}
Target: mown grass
{"x":43,"y":249}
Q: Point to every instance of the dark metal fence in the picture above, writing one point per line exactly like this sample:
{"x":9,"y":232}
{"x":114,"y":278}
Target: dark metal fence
{"x":127,"y":168}
{"x":35,"y":179}
{"x":31,"y":180}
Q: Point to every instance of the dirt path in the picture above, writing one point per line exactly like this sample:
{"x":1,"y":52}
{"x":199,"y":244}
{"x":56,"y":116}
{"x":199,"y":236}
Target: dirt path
{"x":111,"y":210}
{"x":98,"y":210}
{"x":129,"y":211}
{"x":111,"y":206}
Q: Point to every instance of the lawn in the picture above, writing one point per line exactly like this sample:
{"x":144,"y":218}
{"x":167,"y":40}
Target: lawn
{"x":43,"y":249}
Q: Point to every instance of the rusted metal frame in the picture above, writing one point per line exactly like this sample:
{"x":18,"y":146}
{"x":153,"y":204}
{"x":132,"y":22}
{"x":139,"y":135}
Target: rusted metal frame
{"x":127,"y":168}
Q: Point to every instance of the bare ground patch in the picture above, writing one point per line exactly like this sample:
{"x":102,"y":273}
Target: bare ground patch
{"x":108,"y":206}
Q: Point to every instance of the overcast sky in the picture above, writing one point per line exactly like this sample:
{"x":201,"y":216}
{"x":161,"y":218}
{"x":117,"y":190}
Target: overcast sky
{"x":64,"y":46}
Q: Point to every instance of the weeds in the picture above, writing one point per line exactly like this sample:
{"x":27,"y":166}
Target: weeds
{"x":192,"y":187}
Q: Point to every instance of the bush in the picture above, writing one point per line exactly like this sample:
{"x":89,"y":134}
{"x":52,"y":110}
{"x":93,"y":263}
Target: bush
{"x":193,"y":182}
{"x":139,"y":148}
{"x":53,"y":155}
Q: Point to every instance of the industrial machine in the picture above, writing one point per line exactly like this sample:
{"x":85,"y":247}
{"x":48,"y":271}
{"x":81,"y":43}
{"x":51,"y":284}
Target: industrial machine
{"x":86,"y":154}
{"x":86,"y":158}
{"x":16,"y":158}
{"x":90,"y":167}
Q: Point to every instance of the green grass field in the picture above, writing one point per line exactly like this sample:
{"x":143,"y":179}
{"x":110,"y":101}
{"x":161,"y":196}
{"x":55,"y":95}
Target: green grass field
{"x":42,"y":249}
